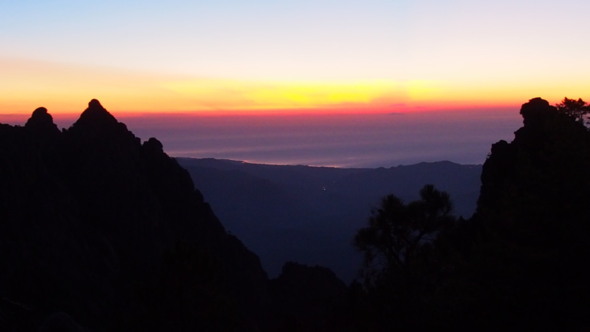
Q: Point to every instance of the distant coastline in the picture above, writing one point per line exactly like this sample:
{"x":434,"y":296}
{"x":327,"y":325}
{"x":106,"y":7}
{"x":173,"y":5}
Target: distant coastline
{"x":352,"y":140}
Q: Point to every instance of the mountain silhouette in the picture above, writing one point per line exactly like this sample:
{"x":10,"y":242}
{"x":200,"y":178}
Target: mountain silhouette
{"x":517,"y":264}
{"x":101,"y":231}
{"x":533,"y":215}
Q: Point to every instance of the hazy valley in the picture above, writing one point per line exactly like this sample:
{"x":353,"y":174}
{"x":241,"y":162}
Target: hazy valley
{"x":311,"y":214}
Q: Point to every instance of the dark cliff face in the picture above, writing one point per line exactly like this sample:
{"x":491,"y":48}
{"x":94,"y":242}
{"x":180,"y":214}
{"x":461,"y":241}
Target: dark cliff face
{"x":543,"y":173}
{"x":533,"y":211}
{"x":109,"y":233}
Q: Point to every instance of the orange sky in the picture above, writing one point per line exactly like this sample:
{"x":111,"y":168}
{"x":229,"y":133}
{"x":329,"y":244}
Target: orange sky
{"x":66,"y":88}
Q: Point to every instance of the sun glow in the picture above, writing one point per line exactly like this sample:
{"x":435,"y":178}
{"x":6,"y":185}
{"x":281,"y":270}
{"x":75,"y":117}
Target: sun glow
{"x":65,"y":88}
{"x":234,"y":95}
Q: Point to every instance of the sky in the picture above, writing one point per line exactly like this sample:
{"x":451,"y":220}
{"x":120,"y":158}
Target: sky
{"x":314,"y":56}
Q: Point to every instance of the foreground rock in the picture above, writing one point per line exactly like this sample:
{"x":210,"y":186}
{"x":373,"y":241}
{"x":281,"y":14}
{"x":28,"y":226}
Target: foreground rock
{"x":102,"y":232}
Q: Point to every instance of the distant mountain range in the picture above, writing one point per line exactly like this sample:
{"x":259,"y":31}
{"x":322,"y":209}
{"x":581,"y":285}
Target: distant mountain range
{"x":310,"y":214}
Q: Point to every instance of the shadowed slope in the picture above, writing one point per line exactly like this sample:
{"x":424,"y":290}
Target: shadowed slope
{"x":533,"y":212}
{"x":112,"y":234}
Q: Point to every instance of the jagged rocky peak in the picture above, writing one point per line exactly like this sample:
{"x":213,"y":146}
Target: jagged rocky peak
{"x":94,"y":103}
{"x":40,"y":115}
{"x":96,"y":212}
{"x":535,"y":110}
{"x":96,"y":115}
{"x":153,"y":145}
{"x":97,"y":123}
{"x":42,"y":121}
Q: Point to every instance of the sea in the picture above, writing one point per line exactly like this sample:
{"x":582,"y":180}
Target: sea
{"x":332,"y":140}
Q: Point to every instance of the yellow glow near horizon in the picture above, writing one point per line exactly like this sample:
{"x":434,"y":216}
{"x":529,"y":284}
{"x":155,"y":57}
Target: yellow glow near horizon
{"x":208,"y":57}
{"x":64,"y":88}
{"x":234,"y":95}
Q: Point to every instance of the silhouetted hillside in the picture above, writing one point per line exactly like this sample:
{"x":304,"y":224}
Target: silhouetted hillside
{"x":534,"y":214}
{"x":98,"y":230}
{"x":310,"y":214}
{"x":518,"y":264}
